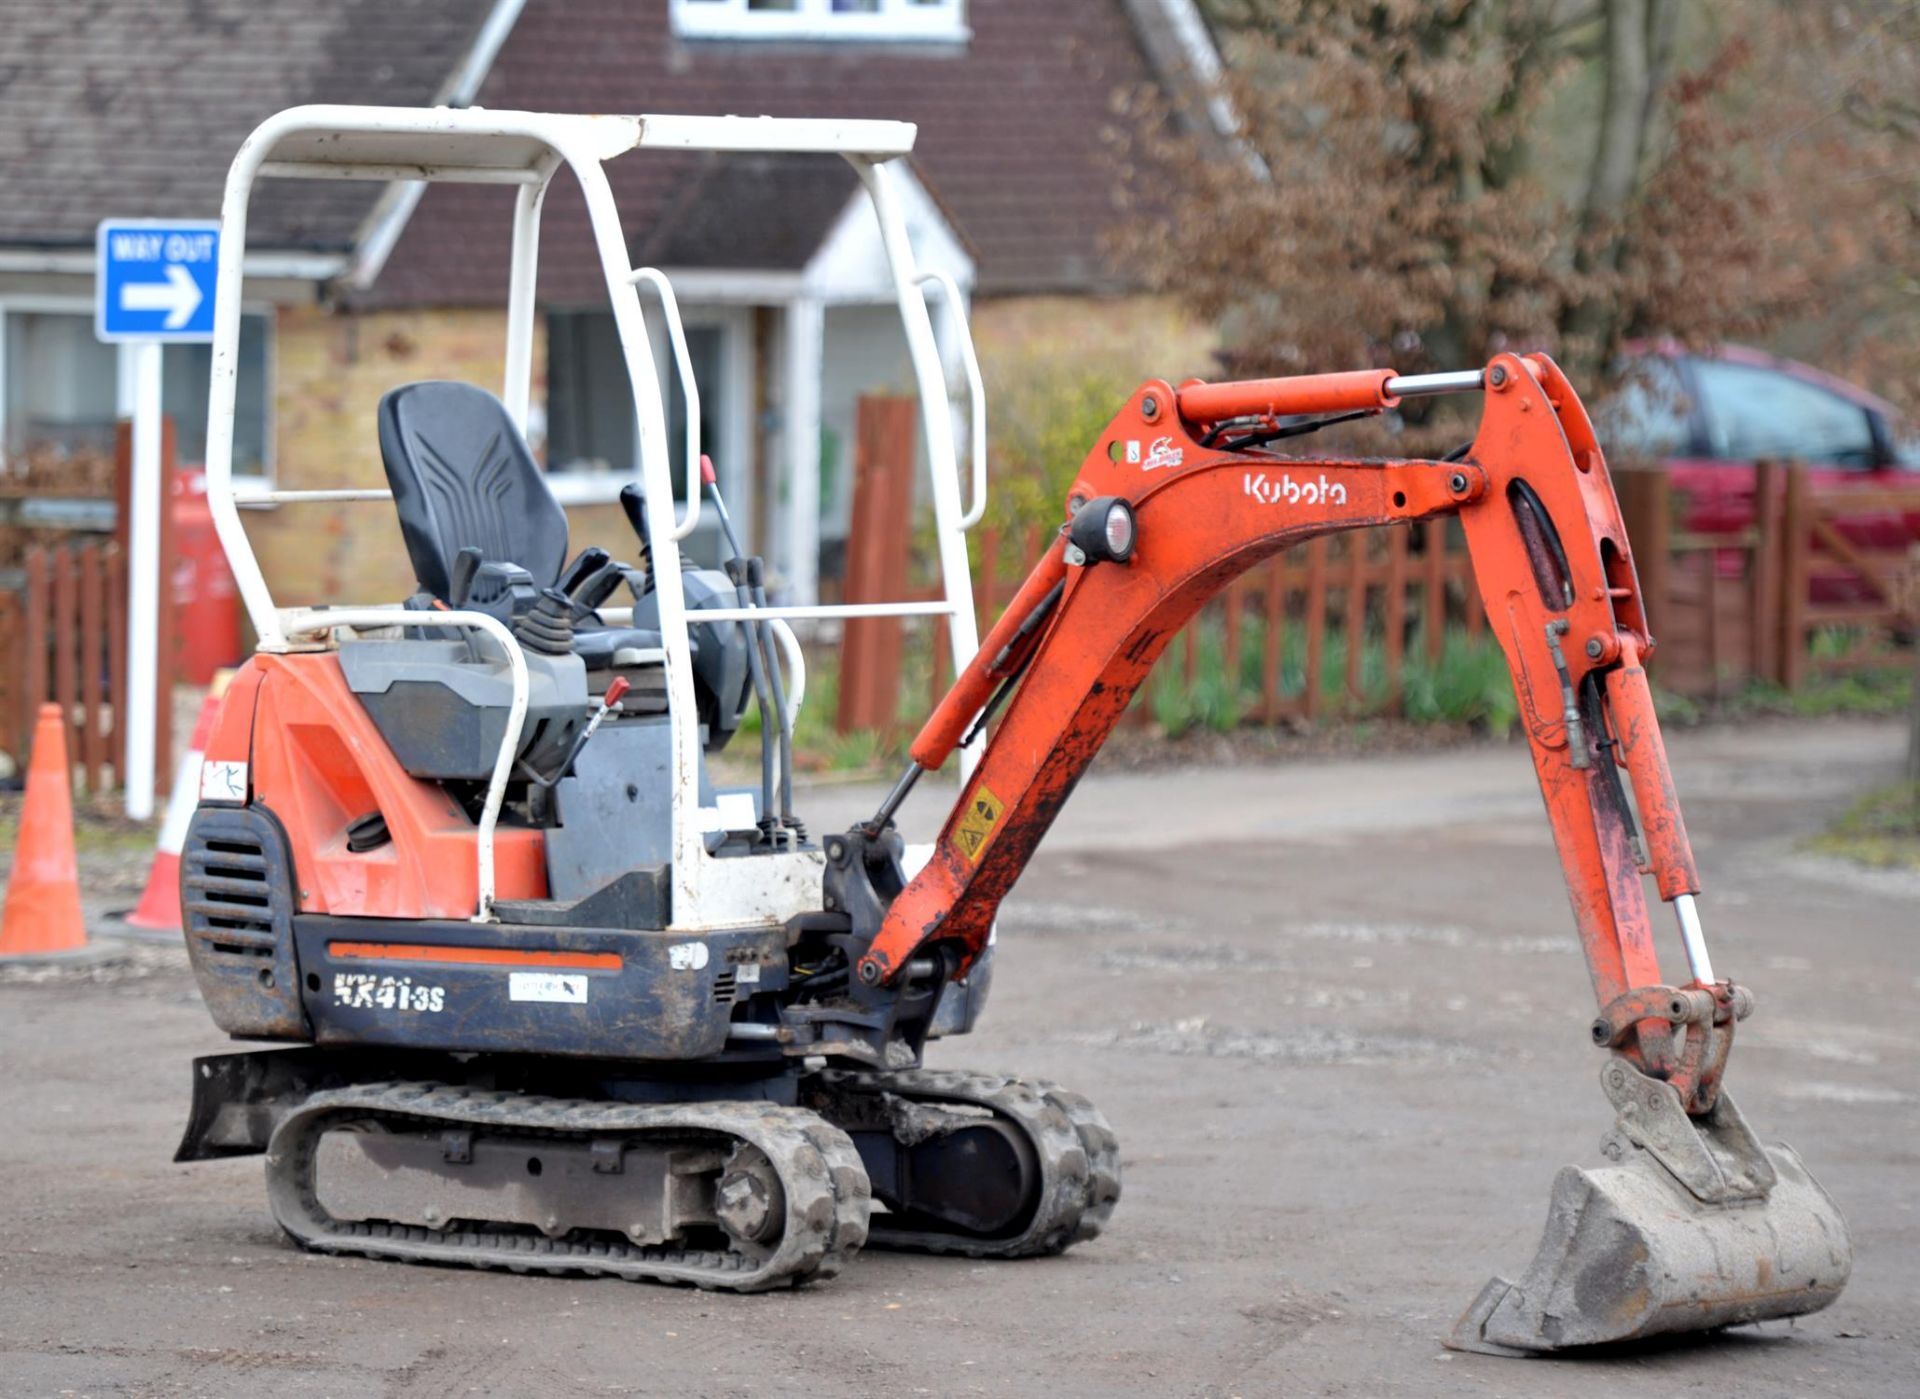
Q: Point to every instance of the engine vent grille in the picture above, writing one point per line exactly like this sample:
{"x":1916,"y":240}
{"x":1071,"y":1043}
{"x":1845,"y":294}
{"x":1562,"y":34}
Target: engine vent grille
{"x":227,"y":896}
{"x":236,"y":901}
{"x":723,"y":987}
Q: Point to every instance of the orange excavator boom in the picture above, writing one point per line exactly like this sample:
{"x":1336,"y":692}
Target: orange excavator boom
{"x":1550,"y":557}
{"x":1178,"y":497}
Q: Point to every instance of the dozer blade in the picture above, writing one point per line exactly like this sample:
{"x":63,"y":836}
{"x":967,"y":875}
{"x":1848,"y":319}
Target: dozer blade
{"x":1631,"y":1251}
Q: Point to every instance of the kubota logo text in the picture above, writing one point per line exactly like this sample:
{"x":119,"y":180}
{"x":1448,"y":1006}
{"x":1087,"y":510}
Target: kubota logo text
{"x":1286,"y":490}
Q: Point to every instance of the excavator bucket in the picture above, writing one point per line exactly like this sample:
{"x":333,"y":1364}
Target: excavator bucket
{"x":1737,"y":1233}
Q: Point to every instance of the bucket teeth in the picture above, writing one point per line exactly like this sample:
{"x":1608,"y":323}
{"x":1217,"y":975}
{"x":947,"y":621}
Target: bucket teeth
{"x":1630,"y":1252}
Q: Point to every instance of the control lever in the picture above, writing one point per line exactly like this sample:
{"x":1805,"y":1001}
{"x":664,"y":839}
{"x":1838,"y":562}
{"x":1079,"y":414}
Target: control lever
{"x":587,"y":593}
{"x":633,"y":504}
{"x":736,"y":570}
{"x":762,"y":665}
{"x":609,"y":705}
{"x":466,"y":564}
{"x":777,"y":684}
{"x":588,"y":562}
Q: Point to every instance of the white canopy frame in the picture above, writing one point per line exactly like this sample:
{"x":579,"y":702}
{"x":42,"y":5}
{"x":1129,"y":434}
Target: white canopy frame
{"x":527,"y":149}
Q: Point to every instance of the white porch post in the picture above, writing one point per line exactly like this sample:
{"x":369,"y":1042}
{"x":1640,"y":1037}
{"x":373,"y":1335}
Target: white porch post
{"x":805,"y":348}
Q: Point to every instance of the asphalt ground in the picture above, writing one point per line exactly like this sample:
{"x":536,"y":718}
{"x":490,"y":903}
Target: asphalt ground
{"x":1334,"y":1011}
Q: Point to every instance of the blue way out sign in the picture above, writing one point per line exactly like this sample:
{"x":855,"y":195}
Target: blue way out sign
{"x":155,"y":279}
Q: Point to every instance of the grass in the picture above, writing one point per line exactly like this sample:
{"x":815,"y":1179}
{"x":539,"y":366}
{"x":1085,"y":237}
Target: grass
{"x":1467,"y":684}
{"x":99,"y":828}
{"x":1881,"y":830}
{"x":1876,"y":690}
{"x":817,"y":746}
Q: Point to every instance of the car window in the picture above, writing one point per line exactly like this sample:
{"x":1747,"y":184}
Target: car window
{"x":1754,"y":412}
{"x":1647,"y":414}
{"x":1906,"y":448}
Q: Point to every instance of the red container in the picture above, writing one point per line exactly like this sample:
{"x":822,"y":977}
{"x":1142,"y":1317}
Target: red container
{"x":206,"y":603}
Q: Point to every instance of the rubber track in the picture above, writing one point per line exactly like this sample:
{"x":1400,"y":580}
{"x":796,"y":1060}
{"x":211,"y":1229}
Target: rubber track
{"x":1078,"y":1154}
{"x":827,"y":1194}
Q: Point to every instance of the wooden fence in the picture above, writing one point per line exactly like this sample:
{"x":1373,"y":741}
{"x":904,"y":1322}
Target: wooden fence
{"x":1761,"y":602}
{"x":1381,"y":583}
{"x":1819,"y":583}
{"x":63,"y":638}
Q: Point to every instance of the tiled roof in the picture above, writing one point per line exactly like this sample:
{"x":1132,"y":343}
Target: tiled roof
{"x":1011,"y":136}
{"x":135,"y":107}
{"x":769,"y":212}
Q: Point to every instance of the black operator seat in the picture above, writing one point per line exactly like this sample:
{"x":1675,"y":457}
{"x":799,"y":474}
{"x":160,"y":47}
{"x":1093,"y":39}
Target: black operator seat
{"x":462,"y":477}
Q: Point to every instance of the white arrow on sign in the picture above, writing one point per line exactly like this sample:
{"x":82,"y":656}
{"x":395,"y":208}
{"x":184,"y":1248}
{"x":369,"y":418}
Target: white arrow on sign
{"x":179,"y":296}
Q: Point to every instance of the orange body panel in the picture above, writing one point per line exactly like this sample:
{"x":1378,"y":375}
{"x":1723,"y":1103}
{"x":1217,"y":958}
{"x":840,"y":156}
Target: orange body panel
{"x":319,"y":764}
{"x":232,"y":737}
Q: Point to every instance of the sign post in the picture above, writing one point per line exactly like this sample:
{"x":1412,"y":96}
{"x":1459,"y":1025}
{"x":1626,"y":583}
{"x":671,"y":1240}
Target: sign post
{"x":153,"y":286}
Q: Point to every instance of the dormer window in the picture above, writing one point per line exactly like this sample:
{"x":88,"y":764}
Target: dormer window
{"x":855,"y":21}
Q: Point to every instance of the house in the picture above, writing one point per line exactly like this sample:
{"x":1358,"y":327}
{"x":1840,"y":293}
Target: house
{"x":134,"y":107}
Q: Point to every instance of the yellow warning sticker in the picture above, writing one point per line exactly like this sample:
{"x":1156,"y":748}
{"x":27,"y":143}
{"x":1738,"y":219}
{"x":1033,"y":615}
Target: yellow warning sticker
{"x":977,"y":823}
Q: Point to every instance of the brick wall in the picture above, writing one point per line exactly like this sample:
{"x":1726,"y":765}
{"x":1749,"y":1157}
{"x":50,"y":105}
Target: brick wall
{"x":330,"y":370}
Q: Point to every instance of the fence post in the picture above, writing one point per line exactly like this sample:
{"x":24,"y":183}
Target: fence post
{"x":92,"y":653}
{"x":12,"y":666}
{"x":1912,"y":603}
{"x":986,"y":581}
{"x":1646,"y":509}
{"x":1356,"y":619}
{"x":36,"y":629}
{"x":1435,"y":614}
{"x":937,"y":683}
{"x":117,"y":652}
{"x":66,"y":661}
{"x":1475,"y":605}
{"x":1276,"y":600}
{"x":1232,"y":596}
{"x":1764,"y":577}
{"x":1796,"y":544}
{"x":1395,"y":613}
{"x":1316,"y":620}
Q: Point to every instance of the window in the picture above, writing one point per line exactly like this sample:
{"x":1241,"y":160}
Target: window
{"x":1754,"y":412}
{"x":63,"y":389}
{"x":62,"y":385}
{"x":853,"y":20}
{"x":184,"y":372}
{"x":590,"y":423}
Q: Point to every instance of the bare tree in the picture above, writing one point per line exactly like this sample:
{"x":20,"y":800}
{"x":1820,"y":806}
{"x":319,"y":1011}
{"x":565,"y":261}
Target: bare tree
{"x":1425,"y":182}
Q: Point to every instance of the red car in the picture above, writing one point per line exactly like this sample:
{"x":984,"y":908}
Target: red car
{"x":1710,"y":417}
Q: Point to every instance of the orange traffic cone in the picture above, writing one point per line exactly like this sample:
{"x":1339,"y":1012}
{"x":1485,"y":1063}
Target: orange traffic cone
{"x":43,"y":899}
{"x":160,"y":900}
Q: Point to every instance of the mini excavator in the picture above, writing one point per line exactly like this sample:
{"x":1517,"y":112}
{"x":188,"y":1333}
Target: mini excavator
{"x":554,"y":1003}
